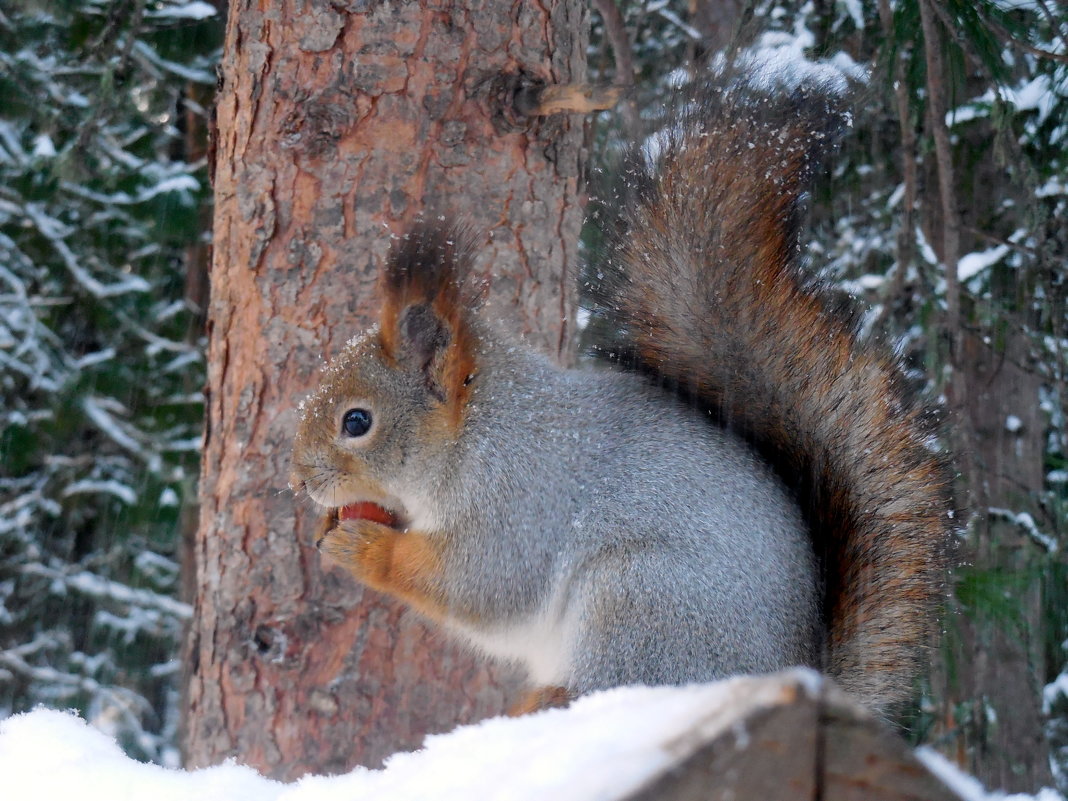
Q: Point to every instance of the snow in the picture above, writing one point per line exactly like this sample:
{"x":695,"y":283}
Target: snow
{"x":895,"y":196}
{"x":55,"y":755}
{"x":124,"y":493}
{"x":605,"y":746}
{"x":96,"y":586}
{"x":1027,"y":523}
{"x":157,"y":566}
{"x":845,"y":64}
{"x":856,"y":11}
{"x":178,"y":183}
{"x":778,"y":61}
{"x":1037,"y":94}
{"x":195,"y":10}
{"x":96,"y":357}
{"x":582,"y":318}
{"x":975,"y":109}
{"x":181,"y":70}
{"x":865,"y":283}
{"x":968,"y":787}
{"x":972,"y":264}
{"x":666,"y":13}
{"x":55,"y":232}
{"x":181,"y":182}
{"x":43,"y":147}
{"x":97,"y":411}
{"x":926,"y":250}
{"x":1054,"y":186}
{"x":1054,"y":691}
{"x":11,"y":151}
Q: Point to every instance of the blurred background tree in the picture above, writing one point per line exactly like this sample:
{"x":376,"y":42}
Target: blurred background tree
{"x":102,"y":190}
{"x":946,"y":212}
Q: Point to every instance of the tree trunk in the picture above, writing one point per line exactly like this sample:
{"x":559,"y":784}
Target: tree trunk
{"x":338,"y":123}
{"x":1001,"y":663}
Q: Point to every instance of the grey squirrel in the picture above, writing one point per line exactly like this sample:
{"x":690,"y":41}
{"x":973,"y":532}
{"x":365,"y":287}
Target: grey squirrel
{"x":752,"y":490}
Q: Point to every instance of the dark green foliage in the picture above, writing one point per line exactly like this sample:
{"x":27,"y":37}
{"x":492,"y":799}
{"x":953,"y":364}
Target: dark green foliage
{"x":100,"y":368}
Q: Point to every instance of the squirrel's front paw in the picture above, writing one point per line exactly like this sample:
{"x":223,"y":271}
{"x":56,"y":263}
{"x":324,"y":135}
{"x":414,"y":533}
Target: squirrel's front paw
{"x":405,"y":564}
{"x":362,"y":547}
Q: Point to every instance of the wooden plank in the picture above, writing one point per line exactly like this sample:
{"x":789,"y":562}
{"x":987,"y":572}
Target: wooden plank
{"x":791,"y":738}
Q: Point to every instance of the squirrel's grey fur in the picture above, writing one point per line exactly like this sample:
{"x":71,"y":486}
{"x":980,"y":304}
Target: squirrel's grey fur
{"x":598,"y":539}
{"x":775,"y":504}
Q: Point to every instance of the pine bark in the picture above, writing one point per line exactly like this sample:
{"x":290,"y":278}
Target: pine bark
{"x":339,"y":123}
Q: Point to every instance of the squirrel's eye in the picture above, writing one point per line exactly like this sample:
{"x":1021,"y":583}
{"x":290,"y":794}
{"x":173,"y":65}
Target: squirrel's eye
{"x":356,"y":422}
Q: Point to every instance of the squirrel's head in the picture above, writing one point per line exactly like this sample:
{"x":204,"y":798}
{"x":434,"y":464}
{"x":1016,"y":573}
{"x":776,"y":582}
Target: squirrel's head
{"x":377,"y":432}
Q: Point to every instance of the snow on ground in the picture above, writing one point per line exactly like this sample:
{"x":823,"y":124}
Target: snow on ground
{"x":604,"y":747}
{"x":968,"y":787}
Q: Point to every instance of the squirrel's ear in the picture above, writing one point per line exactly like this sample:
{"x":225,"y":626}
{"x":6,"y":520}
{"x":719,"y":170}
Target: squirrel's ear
{"x":425,"y":321}
{"x":422,"y":340}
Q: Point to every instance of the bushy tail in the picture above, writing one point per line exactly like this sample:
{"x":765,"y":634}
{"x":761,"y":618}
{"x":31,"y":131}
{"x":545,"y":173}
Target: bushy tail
{"x":707,"y":290}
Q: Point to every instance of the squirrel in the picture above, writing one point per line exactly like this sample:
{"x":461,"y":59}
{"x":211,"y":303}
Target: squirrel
{"x":748,"y":488}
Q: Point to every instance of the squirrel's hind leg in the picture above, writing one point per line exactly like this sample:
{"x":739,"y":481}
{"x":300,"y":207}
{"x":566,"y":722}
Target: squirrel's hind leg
{"x":541,"y":698}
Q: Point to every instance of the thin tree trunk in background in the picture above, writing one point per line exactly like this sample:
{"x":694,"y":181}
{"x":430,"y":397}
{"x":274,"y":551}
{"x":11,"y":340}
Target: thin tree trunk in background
{"x":906,"y":233}
{"x":623,"y":54}
{"x":197,"y":267}
{"x":337,"y":124}
{"x":717,"y":20}
{"x":948,"y":238}
{"x":950,"y":231}
{"x":1002,"y":663}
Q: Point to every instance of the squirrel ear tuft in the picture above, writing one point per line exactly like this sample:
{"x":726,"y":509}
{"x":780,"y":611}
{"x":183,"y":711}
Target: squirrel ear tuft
{"x":425,"y":320}
{"x":423,"y":340}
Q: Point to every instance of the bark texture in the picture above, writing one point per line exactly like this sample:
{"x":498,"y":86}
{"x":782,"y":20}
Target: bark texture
{"x":339,"y":122}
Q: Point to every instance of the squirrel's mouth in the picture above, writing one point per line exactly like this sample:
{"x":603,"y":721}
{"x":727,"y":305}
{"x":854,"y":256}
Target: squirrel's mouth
{"x":368,"y":510}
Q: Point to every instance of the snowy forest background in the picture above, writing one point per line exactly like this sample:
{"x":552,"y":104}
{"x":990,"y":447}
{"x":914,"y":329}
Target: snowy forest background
{"x":946,"y":213}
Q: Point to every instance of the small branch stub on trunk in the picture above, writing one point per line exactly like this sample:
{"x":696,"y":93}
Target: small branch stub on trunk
{"x":574,"y":98}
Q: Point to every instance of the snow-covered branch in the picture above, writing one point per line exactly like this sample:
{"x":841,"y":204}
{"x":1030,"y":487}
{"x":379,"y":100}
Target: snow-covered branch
{"x":1027,"y":523}
{"x":99,"y":587}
